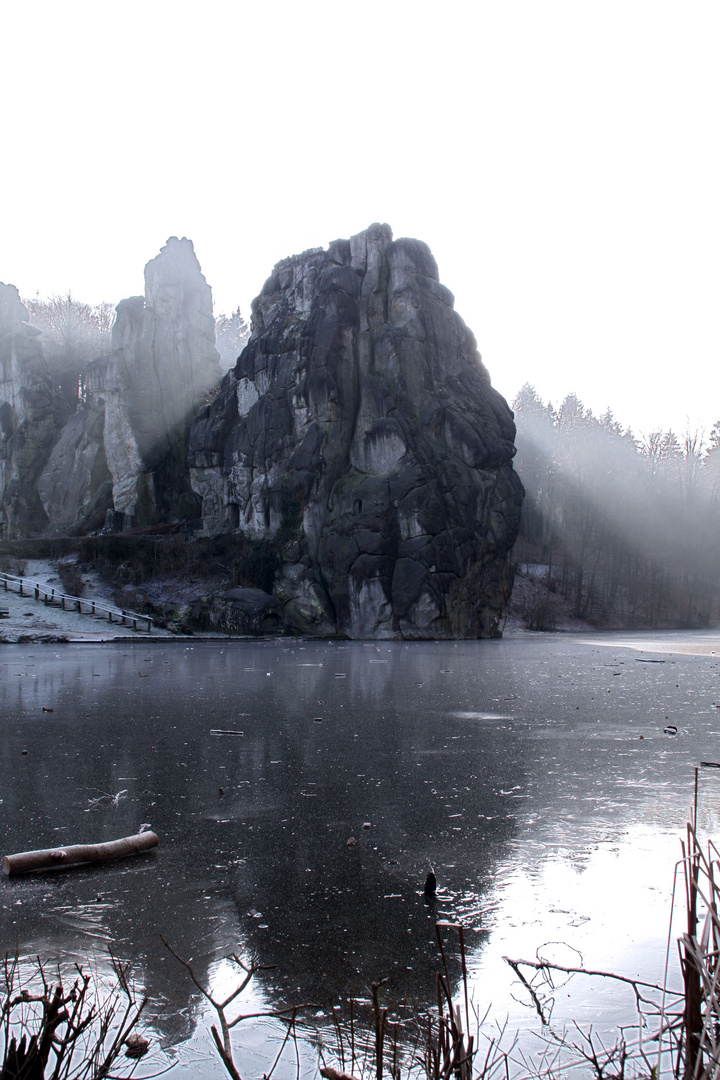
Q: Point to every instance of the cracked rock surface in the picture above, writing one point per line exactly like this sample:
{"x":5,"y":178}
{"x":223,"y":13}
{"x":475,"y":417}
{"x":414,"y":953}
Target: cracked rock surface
{"x":360,"y":439}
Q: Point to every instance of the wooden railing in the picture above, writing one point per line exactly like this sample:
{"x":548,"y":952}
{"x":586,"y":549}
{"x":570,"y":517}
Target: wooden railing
{"x":50,"y":596}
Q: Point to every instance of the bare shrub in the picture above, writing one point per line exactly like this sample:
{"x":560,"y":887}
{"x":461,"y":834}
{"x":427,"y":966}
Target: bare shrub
{"x":539,"y":614}
{"x":71,"y":578}
{"x":15,"y":567}
{"x":56,"y":1029}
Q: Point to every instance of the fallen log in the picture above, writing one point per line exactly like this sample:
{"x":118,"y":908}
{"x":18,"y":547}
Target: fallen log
{"x":78,"y":853}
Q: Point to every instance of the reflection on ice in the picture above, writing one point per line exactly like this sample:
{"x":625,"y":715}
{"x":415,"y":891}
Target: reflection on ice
{"x":537,"y":783}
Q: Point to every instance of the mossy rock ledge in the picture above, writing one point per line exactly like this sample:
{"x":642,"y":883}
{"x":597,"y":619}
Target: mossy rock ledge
{"x":360,"y":436}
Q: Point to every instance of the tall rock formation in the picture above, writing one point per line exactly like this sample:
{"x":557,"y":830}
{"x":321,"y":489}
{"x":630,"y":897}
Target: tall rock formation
{"x":126,"y":448}
{"x":163,"y":364}
{"x":31,"y":417}
{"x":360,"y":438}
{"x":76,"y":485}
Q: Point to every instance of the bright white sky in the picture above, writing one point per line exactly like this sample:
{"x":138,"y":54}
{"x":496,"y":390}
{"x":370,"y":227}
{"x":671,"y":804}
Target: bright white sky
{"x":560,"y":157}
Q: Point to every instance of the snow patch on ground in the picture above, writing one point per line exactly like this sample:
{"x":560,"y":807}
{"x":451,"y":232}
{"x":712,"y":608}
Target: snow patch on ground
{"x":29,"y":619}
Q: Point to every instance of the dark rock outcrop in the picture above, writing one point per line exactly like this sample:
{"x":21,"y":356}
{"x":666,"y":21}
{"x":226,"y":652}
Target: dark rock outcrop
{"x":360,"y":436}
{"x":76,"y":486}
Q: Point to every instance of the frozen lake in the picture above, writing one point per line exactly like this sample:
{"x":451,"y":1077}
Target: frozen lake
{"x":546,"y":779}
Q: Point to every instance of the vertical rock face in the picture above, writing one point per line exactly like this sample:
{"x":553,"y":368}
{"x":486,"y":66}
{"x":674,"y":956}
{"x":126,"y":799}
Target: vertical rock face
{"x":76,"y":485}
{"x":163,"y":364}
{"x":125,"y":450}
{"x":359,"y":436}
{"x":31,"y":417}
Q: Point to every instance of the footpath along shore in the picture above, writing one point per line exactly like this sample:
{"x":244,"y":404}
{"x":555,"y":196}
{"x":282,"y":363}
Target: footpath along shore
{"x":29,"y":619}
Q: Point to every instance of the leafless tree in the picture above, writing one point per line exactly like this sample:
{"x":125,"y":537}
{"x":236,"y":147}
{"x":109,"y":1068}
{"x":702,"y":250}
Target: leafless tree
{"x":73,"y":334}
{"x":231,"y":337}
{"x":633,"y":525}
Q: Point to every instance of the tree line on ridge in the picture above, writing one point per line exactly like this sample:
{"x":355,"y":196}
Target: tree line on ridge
{"x":627,"y":529}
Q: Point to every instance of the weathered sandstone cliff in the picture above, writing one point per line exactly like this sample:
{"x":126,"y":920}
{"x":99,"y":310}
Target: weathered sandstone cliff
{"x":360,"y":438}
{"x":31,"y":417}
{"x":125,"y":450}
